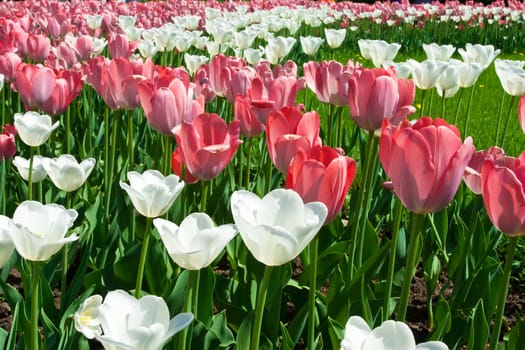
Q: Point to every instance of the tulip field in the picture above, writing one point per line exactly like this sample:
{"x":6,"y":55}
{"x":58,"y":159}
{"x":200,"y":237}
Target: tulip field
{"x":262,"y":175}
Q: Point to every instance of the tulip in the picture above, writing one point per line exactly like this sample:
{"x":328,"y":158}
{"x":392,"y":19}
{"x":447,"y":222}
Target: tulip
{"x":207,"y":144}
{"x":22,"y":164}
{"x":33,"y":128}
{"x":38,"y":231}
{"x":310,"y":44}
{"x":426,"y":73}
{"x":468,"y":73}
{"x":482,"y":54}
{"x":277,"y":227}
{"x":448,"y":82}
{"x":167,"y":107}
{"x":334,"y":37}
{"x":325,"y":177}
{"x":391,"y":335}
{"x":424,"y":161}
{"x":472,"y":175}
{"x":197,"y":242}
{"x":151,"y":193}
{"x":193,"y":62}
{"x":9,"y":62}
{"x":6,"y":244}
{"x":215,"y":71}
{"x":378,"y":51}
{"x":93,"y":21}
{"x":376,"y":94}
{"x":7,"y":142}
{"x":287,"y":132}
{"x":66,"y":173}
{"x":403,"y":69}
{"x":123,"y":322}
{"x":438,"y":52}
{"x":329,"y":80}
{"x":278,"y":47}
{"x":244,"y":112}
{"x":511,"y":76}
{"x":236,"y":81}
{"x":177,"y":166}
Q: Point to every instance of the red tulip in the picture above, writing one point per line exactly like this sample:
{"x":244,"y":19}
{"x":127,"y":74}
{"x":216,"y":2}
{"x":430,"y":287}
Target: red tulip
{"x":376,"y":94}
{"x":329,"y":80}
{"x":7,"y":142}
{"x":472,"y":176}
{"x":244,"y":113}
{"x":502,"y":188}
{"x":424,"y":161}
{"x":325,"y":176}
{"x":288,"y":132}
{"x":167,"y":107}
{"x":177,"y":167}
{"x":207,"y":144}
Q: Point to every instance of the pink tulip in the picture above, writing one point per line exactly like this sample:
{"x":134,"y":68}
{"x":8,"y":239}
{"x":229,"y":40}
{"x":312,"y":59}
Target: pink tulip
{"x":119,"y":46}
{"x":38,"y":47}
{"x":472,"y":176}
{"x":502,"y":188}
{"x":288,"y":132}
{"x":216,"y":70}
{"x":207,"y":144}
{"x":243,"y":111}
{"x":425,"y":162}
{"x":167,"y":107}
{"x":202,"y":84}
{"x":9,"y":62}
{"x":325,"y":176}
{"x":376,"y":94}
{"x":7,"y":142}
{"x":329,"y":80}
{"x":236,"y":81}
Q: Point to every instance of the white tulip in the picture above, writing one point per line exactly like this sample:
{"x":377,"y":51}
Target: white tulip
{"x":66,"y":173}
{"x":310,"y":44}
{"x":279,"y":47}
{"x":468,"y":73}
{"x":126,"y":21}
{"x":511,"y":76}
{"x":426,"y":74}
{"x":6,"y":244}
{"x":122,"y":322}
{"x":378,"y":51}
{"x":448,"y":82}
{"x":94,"y":21}
{"x":483,"y":54}
{"x":151,"y":193}
{"x":33,"y":128}
{"x":403,"y":69}
{"x":334,"y":37}
{"x":277,"y":227}
{"x":22,"y":164}
{"x":193,"y":62}
{"x":196,"y":242}
{"x":438,"y":52}
{"x":148,"y":48}
{"x":38,"y":231}
{"x":244,"y":39}
{"x":391,"y":335}
{"x":253,"y":56}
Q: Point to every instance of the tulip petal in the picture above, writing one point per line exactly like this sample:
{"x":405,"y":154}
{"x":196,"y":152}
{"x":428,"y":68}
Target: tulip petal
{"x":391,"y":335}
{"x":356,"y":332}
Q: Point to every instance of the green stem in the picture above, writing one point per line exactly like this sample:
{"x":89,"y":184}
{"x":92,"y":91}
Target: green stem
{"x":142,"y":260}
{"x":512,"y":99}
{"x":113,"y":156}
{"x":398,"y":211}
{"x":459,"y":105}
{"x":443,"y":104}
{"x":513,"y":242}
{"x":189,"y":305}
{"x":131,"y":153}
{"x":314,"y":247}
{"x":204,"y":195}
{"x":339,"y":139}
{"x":500,"y":110}
{"x":476,"y":205}
{"x":106,"y":161}
{"x":3,"y":197}
{"x":329,"y":126}
{"x":430,"y":102}
{"x":30,"y":175}
{"x":269,"y":168}
{"x":469,"y":104}
{"x":35,"y":307}
{"x":63,"y":272}
{"x":411,"y":262}
{"x":166,"y":166}
{"x":68,"y":129}
{"x":249,"y":145}
{"x":423,"y":95}
{"x":259,"y":309}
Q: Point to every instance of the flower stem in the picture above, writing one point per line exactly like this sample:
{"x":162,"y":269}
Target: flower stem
{"x":500,"y":110}
{"x":512,"y":99}
{"x":314,"y":247}
{"x":398,"y":211}
{"x":35,"y":307}
{"x":204,"y":195}
{"x":513,"y":242}
{"x":63,"y":272}
{"x":423,"y":95}
{"x":259,"y":309}
{"x":469,"y":104}
{"x":167,"y":152}
{"x":412,"y":257}
{"x":189,"y":305}
{"x":68,"y":130}
{"x":30,"y":175}
{"x":142,"y":260}
{"x":3,"y":197}
{"x":248,"y":163}
{"x":459,"y":105}
{"x":443,"y":103}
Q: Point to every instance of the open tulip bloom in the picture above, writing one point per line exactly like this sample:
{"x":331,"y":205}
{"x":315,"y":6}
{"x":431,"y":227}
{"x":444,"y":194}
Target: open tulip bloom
{"x":33,"y":128}
{"x":38,"y":170}
{"x":38,"y":231}
{"x":196,"y":242}
{"x":6,"y":244}
{"x":277,"y":227}
{"x":151,"y":193}
{"x":391,"y":335}
{"x":122,"y":322}
{"x":66,"y":172}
